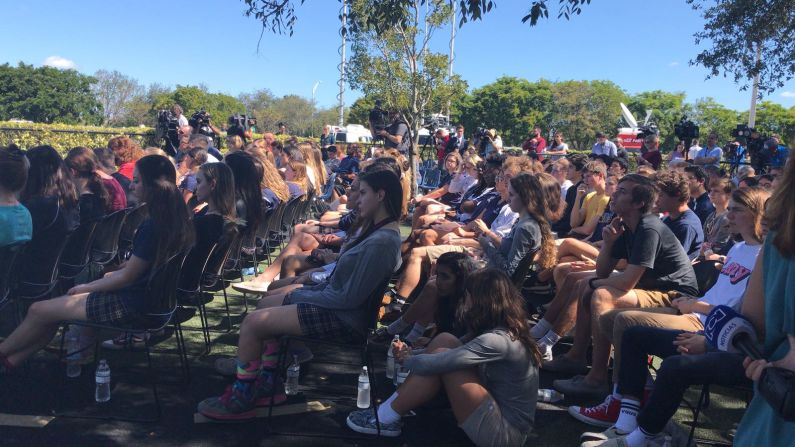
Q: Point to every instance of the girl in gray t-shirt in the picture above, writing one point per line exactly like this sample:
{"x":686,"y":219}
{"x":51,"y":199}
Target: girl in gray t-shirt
{"x":490,"y":375}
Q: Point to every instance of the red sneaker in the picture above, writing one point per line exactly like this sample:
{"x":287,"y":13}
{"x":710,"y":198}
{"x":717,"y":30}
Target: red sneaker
{"x":602,"y":415}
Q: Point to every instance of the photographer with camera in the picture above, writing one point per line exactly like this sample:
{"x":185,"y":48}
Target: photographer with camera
{"x":396,"y":136}
{"x":773,"y":155}
{"x":490,"y":142}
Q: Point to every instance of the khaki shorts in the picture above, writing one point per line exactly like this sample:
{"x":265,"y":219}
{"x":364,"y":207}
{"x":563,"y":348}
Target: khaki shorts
{"x":487,"y":428}
{"x":434,"y":251}
{"x":655,"y":298}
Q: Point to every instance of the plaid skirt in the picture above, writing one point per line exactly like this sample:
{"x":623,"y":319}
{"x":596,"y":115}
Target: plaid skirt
{"x":111,"y":308}
{"x":320,"y":323}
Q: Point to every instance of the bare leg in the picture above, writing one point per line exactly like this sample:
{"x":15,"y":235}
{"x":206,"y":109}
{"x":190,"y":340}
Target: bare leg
{"x":423,"y":309}
{"x":411,"y":275}
{"x":293,"y":265}
{"x":264,"y":325}
{"x":603,"y":300}
{"x":299,"y":244}
{"x":428,"y":237}
{"x":40,"y":325}
{"x":582,"y":336}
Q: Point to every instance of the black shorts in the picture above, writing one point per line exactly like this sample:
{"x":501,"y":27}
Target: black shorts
{"x":320,"y":323}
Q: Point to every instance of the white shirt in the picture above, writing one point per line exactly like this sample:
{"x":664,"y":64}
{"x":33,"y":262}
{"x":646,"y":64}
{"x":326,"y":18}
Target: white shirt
{"x":733,"y":277}
{"x":692,"y":152}
{"x":564,"y":187}
{"x":182,"y":121}
{"x":461,"y":182}
{"x":504,"y":221}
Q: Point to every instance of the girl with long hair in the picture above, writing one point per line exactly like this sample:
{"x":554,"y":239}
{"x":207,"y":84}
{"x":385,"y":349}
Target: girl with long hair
{"x":248,"y":196}
{"x":51,"y":198}
{"x":126,"y":152}
{"x":335,"y":309}
{"x":274,"y":188}
{"x":296,"y":176}
{"x":319,"y":167}
{"x":118,"y":297}
{"x":94,"y":201}
{"x":490,"y":375}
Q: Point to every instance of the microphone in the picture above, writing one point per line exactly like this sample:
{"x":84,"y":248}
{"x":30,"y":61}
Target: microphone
{"x":731,"y":332}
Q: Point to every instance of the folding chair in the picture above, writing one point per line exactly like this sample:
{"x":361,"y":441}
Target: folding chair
{"x":364,"y":347}
{"x":161,"y":299}
{"x":135,"y":217}
{"x":106,"y":238}
{"x":77,"y":253}
{"x":8,"y":255}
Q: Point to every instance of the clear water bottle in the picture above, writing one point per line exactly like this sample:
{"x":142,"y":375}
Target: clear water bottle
{"x":291,"y":386}
{"x":401,"y":374}
{"x":102,"y":392}
{"x":390,"y":359}
{"x":73,"y":368}
{"x":363,"y":398}
{"x":548,"y":395}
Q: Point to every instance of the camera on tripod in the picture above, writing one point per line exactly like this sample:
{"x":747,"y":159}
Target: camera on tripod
{"x":648,"y":131}
{"x":166,"y":129}
{"x":242,"y":121}
{"x":686,"y":130}
{"x":742,"y":131}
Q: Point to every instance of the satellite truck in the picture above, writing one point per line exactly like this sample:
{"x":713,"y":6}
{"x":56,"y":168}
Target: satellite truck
{"x":629,"y":135}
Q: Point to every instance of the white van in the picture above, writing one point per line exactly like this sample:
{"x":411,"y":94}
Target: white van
{"x":352,"y":133}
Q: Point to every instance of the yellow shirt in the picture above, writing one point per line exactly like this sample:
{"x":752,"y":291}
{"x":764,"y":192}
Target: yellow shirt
{"x":594,"y":205}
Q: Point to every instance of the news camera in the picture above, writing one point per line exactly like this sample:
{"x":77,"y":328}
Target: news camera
{"x":686,"y":130}
{"x":167,"y":130}
{"x":647,"y":131}
{"x":379,"y":118}
{"x":742,"y":131}
{"x":242,"y":121}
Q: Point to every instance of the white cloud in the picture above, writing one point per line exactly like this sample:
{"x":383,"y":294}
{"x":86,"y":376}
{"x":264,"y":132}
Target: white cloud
{"x":60,"y":62}
{"x":673,"y":64}
{"x":788,"y":94}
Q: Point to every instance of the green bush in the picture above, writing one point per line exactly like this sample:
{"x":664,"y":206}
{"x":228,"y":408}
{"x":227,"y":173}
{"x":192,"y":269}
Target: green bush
{"x":64,"y":137}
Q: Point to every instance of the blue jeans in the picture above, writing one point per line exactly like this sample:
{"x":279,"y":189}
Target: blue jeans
{"x":675,"y":375}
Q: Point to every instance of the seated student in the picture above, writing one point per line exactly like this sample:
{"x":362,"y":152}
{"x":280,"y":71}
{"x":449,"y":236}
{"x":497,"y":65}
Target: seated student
{"x":699,"y":197}
{"x":526,"y":196}
{"x":717,"y":237}
{"x":349,"y":166}
{"x":574,"y":175}
{"x":118,"y":297}
{"x":15,"y":221}
{"x":274,"y":188}
{"x":462,"y":176}
{"x":117,"y":193}
{"x":249,"y":203}
{"x":336,"y":309}
{"x":126,"y":152}
{"x":296,"y":177}
{"x":483,"y":191}
{"x":107,"y":170}
{"x":657,"y":271}
{"x":187,"y":170}
{"x":770,"y":305}
{"x":51,"y":198}
{"x":490,"y":375}
{"x":588,"y":206}
{"x":437,"y":303}
{"x":686,"y":313}
{"x":94,"y":201}
{"x":681,"y":220}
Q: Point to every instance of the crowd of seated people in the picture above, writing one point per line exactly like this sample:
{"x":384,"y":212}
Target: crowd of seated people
{"x":615,"y":242}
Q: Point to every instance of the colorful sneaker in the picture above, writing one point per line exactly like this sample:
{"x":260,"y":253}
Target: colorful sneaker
{"x":363,"y":421}
{"x":610,"y":433}
{"x":602,"y":415}
{"x":236,"y":404}
{"x":267,"y":385}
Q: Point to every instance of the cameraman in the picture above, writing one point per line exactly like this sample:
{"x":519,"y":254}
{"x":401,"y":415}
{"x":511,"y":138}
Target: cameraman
{"x":396,"y":136}
{"x":535,"y":144}
{"x":773,"y":155}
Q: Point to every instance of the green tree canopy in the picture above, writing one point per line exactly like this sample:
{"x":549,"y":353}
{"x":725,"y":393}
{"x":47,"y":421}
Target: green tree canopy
{"x":666,"y":107}
{"x":47,"y":95}
{"x":580,"y":109}
{"x":713,"y":117}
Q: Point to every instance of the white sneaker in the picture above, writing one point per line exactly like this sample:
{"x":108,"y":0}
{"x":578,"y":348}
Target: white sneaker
{"x":610,"y":433}
{"x":546,"y":352}
{"x":251,"y":286}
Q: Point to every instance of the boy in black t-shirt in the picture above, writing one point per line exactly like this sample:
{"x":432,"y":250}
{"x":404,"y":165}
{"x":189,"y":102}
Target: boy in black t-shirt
{"x":658,"y":270}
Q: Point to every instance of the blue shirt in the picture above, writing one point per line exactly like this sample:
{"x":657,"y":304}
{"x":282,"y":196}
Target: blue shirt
{"x":687,"y":229}
{"x":706,"y":152}
{"x":348,"y":165}
{"x":608,"y":148}
{"x":16,"y":224}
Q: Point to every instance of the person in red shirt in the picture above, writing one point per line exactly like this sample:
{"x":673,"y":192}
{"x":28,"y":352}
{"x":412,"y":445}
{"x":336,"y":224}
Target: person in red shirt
{"x":535,"y":144}
{"x":442,"y":137}
{"x":652,"y":156}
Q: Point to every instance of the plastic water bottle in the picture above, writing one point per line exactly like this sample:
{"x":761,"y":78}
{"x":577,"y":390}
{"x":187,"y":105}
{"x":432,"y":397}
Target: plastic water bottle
{"x":291,"y":386}
{"x":248,"y":271}
{"x":363,"y":398}
{"x":401,"y":374}
{"x":73,"y":368}
{"x":548,"y":395}
{"x":390,"y":359}
{"x":102,"y":392}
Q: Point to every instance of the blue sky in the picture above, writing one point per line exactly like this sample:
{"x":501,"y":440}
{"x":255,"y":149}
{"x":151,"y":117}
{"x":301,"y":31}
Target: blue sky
{"x":638,"y":45}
